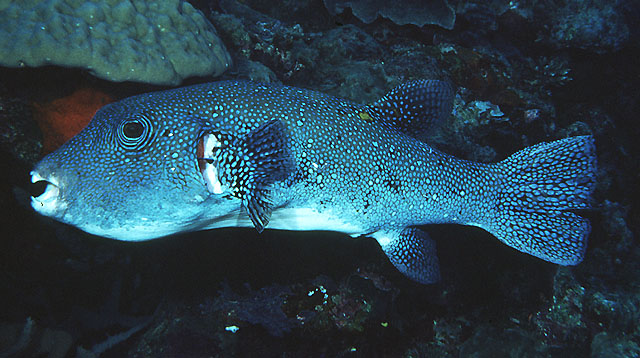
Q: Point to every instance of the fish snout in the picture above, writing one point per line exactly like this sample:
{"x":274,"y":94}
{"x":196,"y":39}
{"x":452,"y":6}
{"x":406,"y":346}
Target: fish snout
{"x":50,"y":202}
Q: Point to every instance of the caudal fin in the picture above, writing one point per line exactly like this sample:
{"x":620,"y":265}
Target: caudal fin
{"x":543,"y":185}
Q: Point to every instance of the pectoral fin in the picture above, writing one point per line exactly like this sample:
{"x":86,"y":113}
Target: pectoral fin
{"x":247,"y":166}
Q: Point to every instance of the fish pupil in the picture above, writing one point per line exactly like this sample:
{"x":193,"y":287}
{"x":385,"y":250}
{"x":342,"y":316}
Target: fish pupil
{"x":133,"y":129}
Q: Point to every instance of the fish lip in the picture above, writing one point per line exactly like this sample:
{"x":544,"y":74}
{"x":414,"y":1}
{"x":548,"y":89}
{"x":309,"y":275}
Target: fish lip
{"x":50,"y":202}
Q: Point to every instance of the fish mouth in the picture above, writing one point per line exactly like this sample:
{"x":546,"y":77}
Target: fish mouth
{"x":207,"y":145}
{"x":48,"y":203}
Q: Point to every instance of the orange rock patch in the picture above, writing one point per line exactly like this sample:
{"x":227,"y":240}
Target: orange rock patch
{"x":62,"y":118}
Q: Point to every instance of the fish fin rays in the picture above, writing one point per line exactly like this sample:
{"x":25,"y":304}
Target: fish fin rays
{"x":258,"y":208}
{"x":250,"y":164}
{"x":543,"y":188}
{"x":412,"y":252}
{"x":415,"y":108}
{"x":269,"y":162}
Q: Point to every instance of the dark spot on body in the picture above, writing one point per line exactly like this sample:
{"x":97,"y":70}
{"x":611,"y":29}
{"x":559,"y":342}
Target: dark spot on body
{"x":393,"y":185}
{"x":299,"y":177}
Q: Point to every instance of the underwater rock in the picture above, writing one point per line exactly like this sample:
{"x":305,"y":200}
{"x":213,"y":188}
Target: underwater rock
{"x":344,"y":62}
{"x":606,"y":345}
{"x":19,"y":135}
{"x":402,"y":12}
{"x":260,"y":39}
{"x":490,"y":342}
{"x":348,"y":42}
{"x":312,"y":13}
{"x":262,"y":307}
{"x":347,"y":64}
{"x":32,"y":340}
{"x":118,"y":40}
{"x":597,"y":26}
{"x":563,"y":323}
{"x":255,"y":71}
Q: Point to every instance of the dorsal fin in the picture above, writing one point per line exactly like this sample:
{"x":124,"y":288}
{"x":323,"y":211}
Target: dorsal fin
{"x":415,"y":107}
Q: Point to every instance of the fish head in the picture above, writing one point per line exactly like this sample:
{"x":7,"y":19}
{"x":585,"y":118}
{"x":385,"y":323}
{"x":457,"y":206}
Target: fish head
{"x":132,"y":174}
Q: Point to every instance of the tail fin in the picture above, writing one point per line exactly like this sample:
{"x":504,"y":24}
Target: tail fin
{"x":543,"y":185}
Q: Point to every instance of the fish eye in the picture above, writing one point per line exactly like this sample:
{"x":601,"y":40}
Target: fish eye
{"x":134,"y":133}
{"x":133,"y":130}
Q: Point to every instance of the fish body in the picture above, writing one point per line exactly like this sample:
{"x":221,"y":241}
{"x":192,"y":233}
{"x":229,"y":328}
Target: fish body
{"x":238,"y":154}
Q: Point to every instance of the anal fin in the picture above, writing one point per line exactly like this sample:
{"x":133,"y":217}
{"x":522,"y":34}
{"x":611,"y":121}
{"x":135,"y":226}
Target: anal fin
{"x":412,"y":252}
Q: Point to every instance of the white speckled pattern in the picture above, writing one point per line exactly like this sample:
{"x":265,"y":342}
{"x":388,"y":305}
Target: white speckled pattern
{"x":205,"y":156}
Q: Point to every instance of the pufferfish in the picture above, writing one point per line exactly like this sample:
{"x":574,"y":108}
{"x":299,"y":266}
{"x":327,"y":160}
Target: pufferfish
{"x":244,"y":154}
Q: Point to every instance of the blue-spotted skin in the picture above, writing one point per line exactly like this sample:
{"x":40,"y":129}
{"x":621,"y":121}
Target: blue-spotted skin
{"x":354,"y":168}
